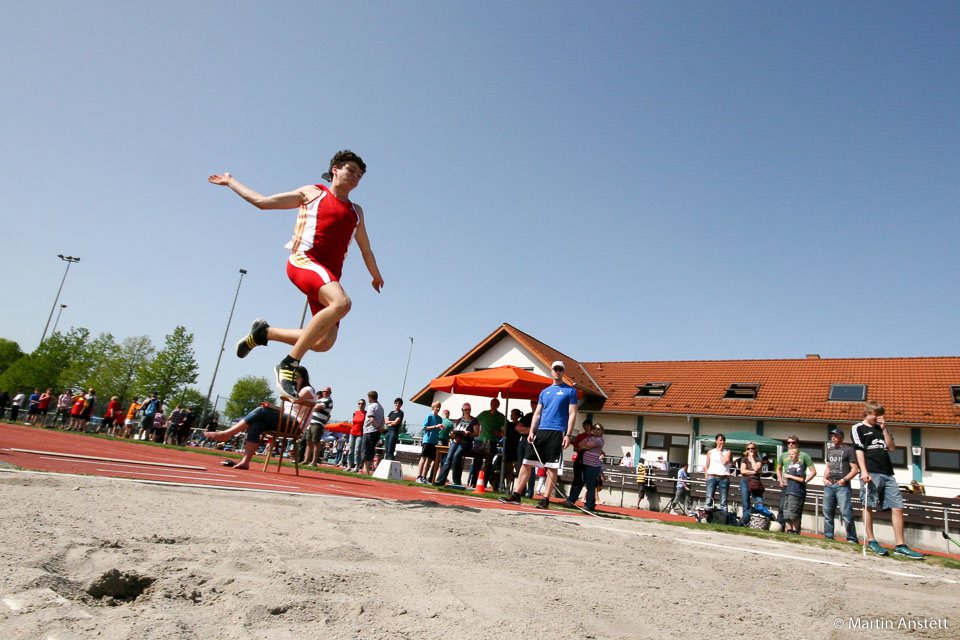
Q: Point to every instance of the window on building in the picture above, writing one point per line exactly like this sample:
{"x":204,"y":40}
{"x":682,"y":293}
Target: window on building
{"x":848,"y":392}
{"x":898,"y":457}
{"x":742,"y":391}
{"x":656,"y":441}
{"x":812,"y":449}
{"x":943,"y":460}
{"x":652,"y":389}
{"x":955,"y":392}
{"x":679,"y":441}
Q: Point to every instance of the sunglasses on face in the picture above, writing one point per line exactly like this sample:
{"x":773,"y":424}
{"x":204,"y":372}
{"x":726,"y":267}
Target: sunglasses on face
{"x":751,"y":449}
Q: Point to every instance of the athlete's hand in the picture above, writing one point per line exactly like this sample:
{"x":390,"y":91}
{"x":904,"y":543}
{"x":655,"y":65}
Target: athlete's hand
{"x":377,"y":283}
{"x":221,"y":179}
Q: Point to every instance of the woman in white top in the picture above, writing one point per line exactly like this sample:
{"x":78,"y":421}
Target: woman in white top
{"x":718,"y":472}
{"x":265,"y":419}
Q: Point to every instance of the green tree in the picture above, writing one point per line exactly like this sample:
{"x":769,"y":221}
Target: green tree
{"x":119,"y":373}
{"x":9,"y":353}
{"x":173,"y":368}
{"x":248,"y":393}
{"x":46,"y":365}
{"x":195,"y":399}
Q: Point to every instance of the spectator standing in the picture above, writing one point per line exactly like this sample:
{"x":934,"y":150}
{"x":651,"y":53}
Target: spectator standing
{"x":591,"y":452}
{"x":173,"y":425}
{"x":718,"y":472}
{"x":750,"y":467}
{"x":76,"y":412}
{"x":586,"y":432}
{"x":147,"y":411}
{"x":464,"y":431}
{"x":873,"y":443}
{"x":318,"y":421}
{"x":15,"y":405}
{"x":681,"y":496}
{"x":373,"y":428}
{"x":158,"y":428}
{"x":4,"y":401}
{"x":447,"y":428}
{"x":186,"y":425}
{"x":432,"y":425}
{"x":356,"y":436}
{"x":511,"y":442}
{"x":641,"y":480}
{"x":797,"y":475}
{"x":87,"y":414}
{"x":108,"y":424}
{"x":550,"y":431}
{"x":842,"y":468}
{"x":33,"y":407}
{"x":394,"y":423}
{"x":491,"y":430}
{"x":792,"y":443}
{"x":45,"y":399}
{"x":131,"y":417}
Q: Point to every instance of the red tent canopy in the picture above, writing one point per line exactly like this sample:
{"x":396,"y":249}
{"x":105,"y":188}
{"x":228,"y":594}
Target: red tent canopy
{"x":338,"y":427}
{"x":508,"y":381}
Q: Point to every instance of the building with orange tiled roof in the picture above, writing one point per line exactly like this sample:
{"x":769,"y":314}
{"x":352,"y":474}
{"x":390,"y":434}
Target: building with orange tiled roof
{"x":654,"y":409}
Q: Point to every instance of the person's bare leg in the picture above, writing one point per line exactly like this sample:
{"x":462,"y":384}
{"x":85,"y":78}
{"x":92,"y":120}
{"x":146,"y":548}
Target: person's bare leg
{"x":896,"y":517}
{"x":249,"y":448}
{"x":226,"y":434}
{"x":868,"y":523}
{"x":522,"y":479}
{"x":551,"y":482}
{"x":321,"y":332}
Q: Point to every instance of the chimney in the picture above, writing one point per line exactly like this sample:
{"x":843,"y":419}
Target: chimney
{"x":813,"y":356}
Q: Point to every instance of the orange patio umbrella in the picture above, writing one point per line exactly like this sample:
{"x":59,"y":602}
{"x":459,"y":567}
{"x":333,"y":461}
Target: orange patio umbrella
{"x":506,"y":381}
{"x":339,"y":427}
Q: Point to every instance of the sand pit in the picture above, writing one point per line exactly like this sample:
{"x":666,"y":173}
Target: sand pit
{"x":199,"y":563}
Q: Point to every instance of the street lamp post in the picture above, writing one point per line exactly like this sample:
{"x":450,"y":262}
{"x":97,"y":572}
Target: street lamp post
{"x":409,"y":353}
{"x":57,"y":321}
{"x":203,"y":415}
{"x":69,"y":260}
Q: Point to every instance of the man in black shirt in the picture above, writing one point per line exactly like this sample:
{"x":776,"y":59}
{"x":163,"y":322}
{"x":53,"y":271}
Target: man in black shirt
{"x":394,"y":422}
{"x":878,"y":487}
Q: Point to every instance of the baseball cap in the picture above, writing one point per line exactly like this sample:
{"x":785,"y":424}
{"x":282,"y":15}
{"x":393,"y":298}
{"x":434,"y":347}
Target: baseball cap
{"x":557,"y":364}
{"x":836,"y":432}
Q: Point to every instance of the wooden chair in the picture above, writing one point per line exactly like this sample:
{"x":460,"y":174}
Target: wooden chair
{"x":290,"y":427}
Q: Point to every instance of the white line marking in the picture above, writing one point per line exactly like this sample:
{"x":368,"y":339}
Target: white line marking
{"x":949,"y":581}
{"x":633,"y":533}
{"x":122,"y":464}
{"x":699,"y":533}
{"x":73,"y":455}
{"x":899,"y":573}
{"x":167,"y":475}
{"x":764,"y":553}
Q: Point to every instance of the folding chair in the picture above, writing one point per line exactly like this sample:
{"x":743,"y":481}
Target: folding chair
{"x":290,"y":427}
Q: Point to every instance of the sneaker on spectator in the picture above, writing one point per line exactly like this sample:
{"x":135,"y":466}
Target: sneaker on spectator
{"x":875,"y":547}
{"x":543,"y":504}
{"x":513,"y":498}
{"x":904,"y":551}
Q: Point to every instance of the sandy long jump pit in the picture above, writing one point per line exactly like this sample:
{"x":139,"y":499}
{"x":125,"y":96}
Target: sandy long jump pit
{"x":86,"y":557}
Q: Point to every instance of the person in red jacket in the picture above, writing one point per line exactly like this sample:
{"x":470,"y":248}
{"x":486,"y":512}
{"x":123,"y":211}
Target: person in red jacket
{"x":356,"y":436}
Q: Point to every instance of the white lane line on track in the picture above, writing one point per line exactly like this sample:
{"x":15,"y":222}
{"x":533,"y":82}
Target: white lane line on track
{"x":167,"y":475}
{"x":119,"y":464}
{"x":763,"y":553}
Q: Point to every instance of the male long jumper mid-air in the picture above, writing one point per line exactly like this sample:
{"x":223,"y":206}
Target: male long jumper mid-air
{"x":326,"y":224}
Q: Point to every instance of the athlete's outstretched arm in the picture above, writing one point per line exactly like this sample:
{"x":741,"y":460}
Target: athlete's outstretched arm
{"x":363,"y":241}
{"x":288,"y":200}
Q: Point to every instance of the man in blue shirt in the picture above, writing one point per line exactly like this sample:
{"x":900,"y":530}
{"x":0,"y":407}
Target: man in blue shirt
{"x":550,"y":430}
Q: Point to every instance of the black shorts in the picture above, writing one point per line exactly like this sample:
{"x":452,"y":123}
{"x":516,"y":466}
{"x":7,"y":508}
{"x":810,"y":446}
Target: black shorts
{"x":369,"y":443}
{"x":429,"y":450}
{"x":549,"y":446}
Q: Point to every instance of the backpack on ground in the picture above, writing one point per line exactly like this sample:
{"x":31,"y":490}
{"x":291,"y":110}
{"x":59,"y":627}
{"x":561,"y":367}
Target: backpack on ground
{"x":759,"y":521}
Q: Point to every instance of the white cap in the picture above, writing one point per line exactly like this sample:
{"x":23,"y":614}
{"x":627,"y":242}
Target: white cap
{"x":557,"y":364}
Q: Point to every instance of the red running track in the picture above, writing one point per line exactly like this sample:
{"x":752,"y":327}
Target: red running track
{"x":135,"y":460}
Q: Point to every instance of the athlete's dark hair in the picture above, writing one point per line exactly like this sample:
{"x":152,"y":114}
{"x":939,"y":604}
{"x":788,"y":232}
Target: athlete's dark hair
{"x":341,"y":158}
{"x":305,"y":376}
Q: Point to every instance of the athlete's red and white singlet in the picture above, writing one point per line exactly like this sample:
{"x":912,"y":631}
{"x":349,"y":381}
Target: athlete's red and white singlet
{"x":325,"y":228}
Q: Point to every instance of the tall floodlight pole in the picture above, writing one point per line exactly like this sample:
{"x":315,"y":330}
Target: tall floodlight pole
{"x":203,"y":414}
{"x":404,"y":385}
{"x":57,"y":321}
{"x":69,"y":260}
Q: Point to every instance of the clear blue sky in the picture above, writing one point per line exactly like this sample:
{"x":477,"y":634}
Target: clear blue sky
{"x":625,"y":181}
